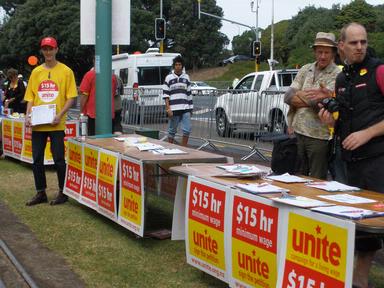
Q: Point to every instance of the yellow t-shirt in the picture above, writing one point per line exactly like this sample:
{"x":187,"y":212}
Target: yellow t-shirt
{"x":51,"y":86}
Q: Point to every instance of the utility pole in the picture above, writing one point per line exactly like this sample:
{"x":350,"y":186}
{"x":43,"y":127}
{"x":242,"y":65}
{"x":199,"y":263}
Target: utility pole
{"x":257,"y":61}
{"x":161,"y":16}
{"x":103,"y":66}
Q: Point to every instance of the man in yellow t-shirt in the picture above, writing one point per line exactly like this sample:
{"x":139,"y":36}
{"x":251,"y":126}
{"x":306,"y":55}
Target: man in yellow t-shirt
{"x":50,"y":83}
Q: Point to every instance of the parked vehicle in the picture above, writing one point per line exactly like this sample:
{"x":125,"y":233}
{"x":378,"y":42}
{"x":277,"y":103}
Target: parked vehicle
{"x":143,"y":75}
{"x":256,"y":101}
{"x":234,"y":59}
{"x":201,"y":88}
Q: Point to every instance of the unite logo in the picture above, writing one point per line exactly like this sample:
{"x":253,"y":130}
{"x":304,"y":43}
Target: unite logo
{"x":316,"y":247}
{"x":253,"y":264}
{"x":205,"y":241}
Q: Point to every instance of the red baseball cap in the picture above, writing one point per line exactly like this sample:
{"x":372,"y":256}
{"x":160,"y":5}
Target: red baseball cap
{"x":49,"y":41}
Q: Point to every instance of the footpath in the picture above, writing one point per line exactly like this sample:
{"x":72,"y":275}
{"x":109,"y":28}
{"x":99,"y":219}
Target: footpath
{"x":44,"y":267}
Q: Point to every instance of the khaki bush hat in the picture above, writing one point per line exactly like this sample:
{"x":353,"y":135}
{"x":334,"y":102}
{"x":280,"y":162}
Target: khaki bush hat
{"x":325,"y":39}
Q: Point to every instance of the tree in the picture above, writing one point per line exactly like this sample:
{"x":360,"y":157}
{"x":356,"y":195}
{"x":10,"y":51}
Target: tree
{"x":357,"y":11}
{"x":10,"y":6}
{"x":242,"y":44}
{"x":22,"y":32}
{"x":199,"y":41}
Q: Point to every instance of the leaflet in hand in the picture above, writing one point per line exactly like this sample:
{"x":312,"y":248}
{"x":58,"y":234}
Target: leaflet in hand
{"x":43,"y":114}
{"x":288,"y":178}
{"x":332,"y":186}
{"x":348,"y":212}
{"x":261,"y":188}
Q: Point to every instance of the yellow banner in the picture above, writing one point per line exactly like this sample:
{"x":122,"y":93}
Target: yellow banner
{"x":253,"y":265}
{"x":107,"y":171}
{"x":206,"y":243}
{"x":130,"y":207}
{"x":318,"y":246}
{"x":74,"y":156}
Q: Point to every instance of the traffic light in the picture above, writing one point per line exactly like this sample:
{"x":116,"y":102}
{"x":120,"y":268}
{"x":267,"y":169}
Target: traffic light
{"x":160,"y":28}
{"x":256,"y":48}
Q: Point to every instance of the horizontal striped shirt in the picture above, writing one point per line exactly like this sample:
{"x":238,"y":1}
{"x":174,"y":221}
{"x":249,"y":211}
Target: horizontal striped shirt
{"x":178,"y":90}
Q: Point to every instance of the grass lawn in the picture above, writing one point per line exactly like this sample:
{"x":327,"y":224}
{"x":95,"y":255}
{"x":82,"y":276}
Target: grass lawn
{"x":103,"y":253}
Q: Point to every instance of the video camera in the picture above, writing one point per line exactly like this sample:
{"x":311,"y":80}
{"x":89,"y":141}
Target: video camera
{"x":331,"y":105}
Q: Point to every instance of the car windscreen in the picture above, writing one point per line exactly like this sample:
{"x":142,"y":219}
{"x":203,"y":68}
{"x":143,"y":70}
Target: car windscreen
{"x":153,"y":75}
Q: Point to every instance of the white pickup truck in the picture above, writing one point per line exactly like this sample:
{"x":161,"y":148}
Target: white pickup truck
{"x":257,"y":101}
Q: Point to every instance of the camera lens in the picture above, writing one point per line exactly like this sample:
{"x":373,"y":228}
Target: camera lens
{"x":330,"y":104}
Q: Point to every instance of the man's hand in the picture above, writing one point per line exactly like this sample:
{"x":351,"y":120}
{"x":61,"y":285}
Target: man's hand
{"x":169,"y":113}
{"x":326,"y":117}
{"x":316,"y":95}
{"x":300,"y":99}
{"x":56,"y":120}
{"x":356,"y":139}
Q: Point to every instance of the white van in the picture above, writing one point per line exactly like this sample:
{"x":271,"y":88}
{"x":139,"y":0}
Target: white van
{"x":146,"y":72}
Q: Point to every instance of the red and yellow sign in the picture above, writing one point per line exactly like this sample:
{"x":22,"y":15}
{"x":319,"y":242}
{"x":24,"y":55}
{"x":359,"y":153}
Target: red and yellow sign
{"x":106,"y":183}
{"x":206,"y":236}
{"x":18,"y":134}
{"x":254,"y":242}
{"x":26,"y":154}
{"x":89,"y":187}
{"x":317,"y":253}
{"x":7,"y":137}
{"x":74,"y":173}
{"x":131,"y":211}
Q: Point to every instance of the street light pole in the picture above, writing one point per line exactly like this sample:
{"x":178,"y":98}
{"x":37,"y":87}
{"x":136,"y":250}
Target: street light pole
{"x":257,"y":29}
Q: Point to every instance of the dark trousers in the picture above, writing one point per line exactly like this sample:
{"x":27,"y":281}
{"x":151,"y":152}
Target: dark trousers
{"x":313,"y":155}
{"x":39,"y":141}
{"x":117,"y":122}
{"x":367,"y":174}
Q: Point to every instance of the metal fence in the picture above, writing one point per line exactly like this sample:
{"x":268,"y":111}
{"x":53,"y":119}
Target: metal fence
{"x":244,"y":118}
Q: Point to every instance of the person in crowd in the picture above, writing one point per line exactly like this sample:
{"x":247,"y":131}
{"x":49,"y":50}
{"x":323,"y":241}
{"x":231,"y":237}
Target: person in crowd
{"x":314,"y":82}
{"x":117,"y":128}
{"x":14,"y":92}
{"x":50,"y":83}
{"x":21,"y":77}
{"x":178,"y":101}
{"x":360,"y":95}
{"x":88,"y":99}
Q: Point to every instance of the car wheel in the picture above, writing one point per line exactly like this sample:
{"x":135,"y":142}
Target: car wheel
{"x":277,"y":124}
{"x":222,"y":125}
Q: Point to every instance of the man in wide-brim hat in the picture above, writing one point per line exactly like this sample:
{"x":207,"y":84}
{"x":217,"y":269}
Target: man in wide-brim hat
{"x":314,"y":82}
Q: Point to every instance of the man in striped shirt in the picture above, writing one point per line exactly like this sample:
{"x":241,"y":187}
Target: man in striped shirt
{"x":178,"y":101}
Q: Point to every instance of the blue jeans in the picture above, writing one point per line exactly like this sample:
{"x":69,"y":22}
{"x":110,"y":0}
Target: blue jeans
{"x":39,"y":141}
{"x":185,"y":119}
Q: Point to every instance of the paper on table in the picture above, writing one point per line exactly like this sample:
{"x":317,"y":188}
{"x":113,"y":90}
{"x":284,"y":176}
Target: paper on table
{"x":170,"y":151}
{"x":147,"y":146}
{"x":43,"y":114}
{"x":288,"y":178}
{"x":347,"y":198}
{"x":261,"y":188}
{"x":348,"y":212}
{"x":332,"y":186}
{"x":301,"y":201}
{"x":241,"y":170}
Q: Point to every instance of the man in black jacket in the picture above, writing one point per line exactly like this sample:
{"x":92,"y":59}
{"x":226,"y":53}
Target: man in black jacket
{"x":360,"y":95}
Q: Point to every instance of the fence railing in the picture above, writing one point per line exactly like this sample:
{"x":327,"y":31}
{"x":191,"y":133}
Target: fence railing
{"x":244,"y":118}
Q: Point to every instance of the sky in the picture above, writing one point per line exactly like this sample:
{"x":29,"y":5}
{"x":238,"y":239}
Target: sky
{"x":240,"y":11}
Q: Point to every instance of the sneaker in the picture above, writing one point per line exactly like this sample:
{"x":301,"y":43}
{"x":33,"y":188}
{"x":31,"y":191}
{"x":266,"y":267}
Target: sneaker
{"x":40,"y":197}
{"x":60,"y":199}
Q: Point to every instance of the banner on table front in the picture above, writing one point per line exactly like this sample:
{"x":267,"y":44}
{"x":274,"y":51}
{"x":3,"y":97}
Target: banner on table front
{"x":89,"y":186}
{"x":7,"y":128}
{"x":106,"y":183}
{"x":205,"y":227}
{"x":318,"y":252}
{"x":254,"y":240}
{"x":17,"y":136}
{"x":131,"y":201}
{"x":74,"y":171}
{"x":26,"y":154}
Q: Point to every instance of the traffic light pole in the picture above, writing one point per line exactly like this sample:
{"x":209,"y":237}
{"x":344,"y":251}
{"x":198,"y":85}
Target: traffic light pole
{"x":234,"y":22}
